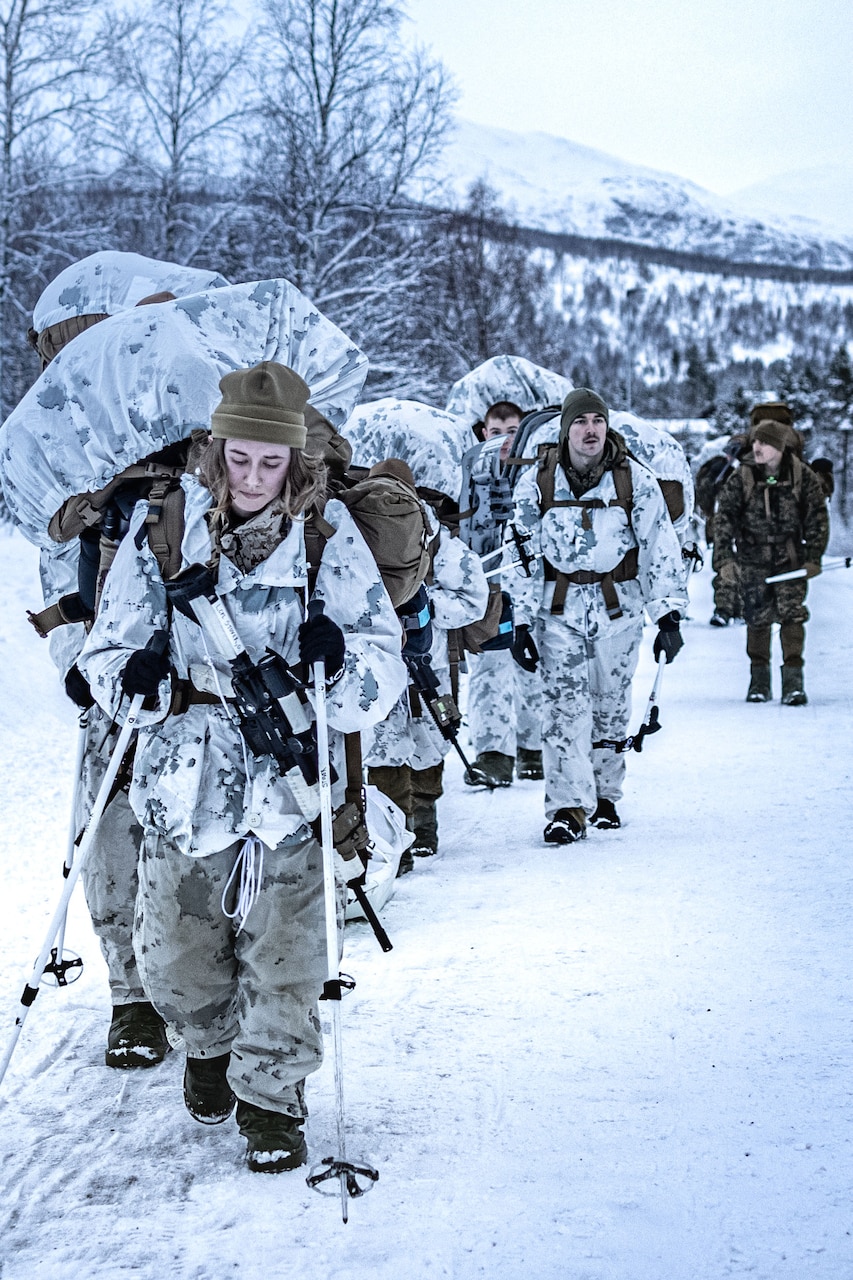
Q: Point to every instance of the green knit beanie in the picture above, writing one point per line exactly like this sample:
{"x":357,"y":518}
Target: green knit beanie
{"x":578,"y":402}
{"x":265,"y":403}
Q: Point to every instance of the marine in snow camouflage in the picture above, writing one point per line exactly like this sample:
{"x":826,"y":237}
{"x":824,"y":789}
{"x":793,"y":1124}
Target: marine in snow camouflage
{"x":193,"y":779}
{"x":458,"y":594}
{"x":431,"y":441}
{"x":147,"y":377}
{"x":587,"y":659}
{"x":505,"y":377}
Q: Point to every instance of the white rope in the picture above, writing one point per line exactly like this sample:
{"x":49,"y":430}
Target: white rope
{"x":250,"y":865}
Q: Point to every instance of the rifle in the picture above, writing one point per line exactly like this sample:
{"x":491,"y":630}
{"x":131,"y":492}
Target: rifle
{"x":441,"y":706}
{"x":270,"y":705}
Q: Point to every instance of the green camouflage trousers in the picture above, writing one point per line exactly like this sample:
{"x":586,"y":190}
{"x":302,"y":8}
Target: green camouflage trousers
{"x":586,"y":697}
{"x":504,"y":704}
{"x":110,"y":871}
{"x":252,"y":992}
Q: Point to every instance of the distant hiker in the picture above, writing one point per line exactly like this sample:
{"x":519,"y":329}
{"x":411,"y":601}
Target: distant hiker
{"x":772,"y":518}
{"x":608,"y":551}
{"x":710,"y":478}
{"x":230,"y":933}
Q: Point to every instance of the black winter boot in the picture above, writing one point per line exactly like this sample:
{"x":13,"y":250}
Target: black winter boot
{"x":208,"y":1096}
{"x":529,"y":764}
{"x":759,"y":683}
{"x":137,"y":1036}
{"x":605,"y":817}
{"x":275,"y":1142}
{"x":793,"y":693}
{"x":491,"y":768}
{"x":425,"y":827}
{"x":567,"y":826}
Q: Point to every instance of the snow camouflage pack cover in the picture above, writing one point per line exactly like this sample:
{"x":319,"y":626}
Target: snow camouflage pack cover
{"x":430,"y":440}
{"x":108,"y":282}
{"x":147,"y":377}
{"x":505,"y":377}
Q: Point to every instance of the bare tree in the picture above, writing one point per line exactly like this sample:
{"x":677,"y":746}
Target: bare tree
{"x":49,"y":55}
{"x":176,"y":108}
{"x":351,"y":121}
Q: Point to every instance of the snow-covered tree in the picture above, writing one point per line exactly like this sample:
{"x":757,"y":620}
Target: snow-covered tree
{"x":349,"y":125}
{"x":49,"y":53}
{"x":176,"y":109}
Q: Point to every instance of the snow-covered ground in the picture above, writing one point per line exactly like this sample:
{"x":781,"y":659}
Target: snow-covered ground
{"x":624,"y":1060}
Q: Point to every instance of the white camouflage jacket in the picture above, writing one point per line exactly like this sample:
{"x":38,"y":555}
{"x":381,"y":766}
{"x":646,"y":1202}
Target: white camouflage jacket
{"x":192,"y":778}
{"x":458,"y":595}
{"x":560,"y":537}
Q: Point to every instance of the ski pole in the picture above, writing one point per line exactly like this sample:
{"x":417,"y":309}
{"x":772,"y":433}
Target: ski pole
{"x":843,"y":563}
{"x":57,"y":965}
{"x":340,"y":1168}
{"x":31,"y":989}
{"x":651,"y":722}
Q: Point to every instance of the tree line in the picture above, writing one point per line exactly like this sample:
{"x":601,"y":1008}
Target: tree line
{"x":306,"y":147}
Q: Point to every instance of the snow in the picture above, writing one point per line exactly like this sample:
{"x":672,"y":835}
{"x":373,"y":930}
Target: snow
{"x":624,"y":1060}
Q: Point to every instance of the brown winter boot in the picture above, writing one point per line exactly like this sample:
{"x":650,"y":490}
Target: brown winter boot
{"x":759,"y":683}
{"x":528,"y":764}
{"x":793,"y":693}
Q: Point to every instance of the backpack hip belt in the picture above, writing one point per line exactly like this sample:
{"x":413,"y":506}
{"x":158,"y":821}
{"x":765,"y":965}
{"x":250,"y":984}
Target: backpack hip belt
{"x":624,"y":571}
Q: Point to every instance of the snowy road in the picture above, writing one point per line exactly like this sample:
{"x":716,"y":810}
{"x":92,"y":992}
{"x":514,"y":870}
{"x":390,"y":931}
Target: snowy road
{"x":627,"y":1060}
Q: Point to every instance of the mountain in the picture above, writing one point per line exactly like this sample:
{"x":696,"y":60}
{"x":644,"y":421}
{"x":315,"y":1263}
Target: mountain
{"x":820,"y":195}
{"x":561,"y":187}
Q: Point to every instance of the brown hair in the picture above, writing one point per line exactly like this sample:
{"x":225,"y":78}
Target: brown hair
{"x":304,"y":485}
{"x":503,"y":410}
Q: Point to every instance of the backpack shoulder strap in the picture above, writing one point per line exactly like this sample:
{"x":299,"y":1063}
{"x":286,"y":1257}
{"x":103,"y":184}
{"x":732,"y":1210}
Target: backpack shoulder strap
{"x":318,"y":531}
{"x":624,"y":482}
{"x":546,"y":475}
{"x":164,"y":524}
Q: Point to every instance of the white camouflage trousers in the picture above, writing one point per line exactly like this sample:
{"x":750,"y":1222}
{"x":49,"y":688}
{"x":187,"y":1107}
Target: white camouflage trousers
{"x":110,"y":871}
{"x":253,"y":992}
{"x":586,"y":696}
{"x":504,"y":704}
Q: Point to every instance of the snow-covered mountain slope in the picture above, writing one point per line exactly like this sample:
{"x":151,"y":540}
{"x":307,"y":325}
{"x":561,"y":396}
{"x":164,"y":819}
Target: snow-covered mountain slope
{"x":821,"y":196}
{"x":554,"y":185}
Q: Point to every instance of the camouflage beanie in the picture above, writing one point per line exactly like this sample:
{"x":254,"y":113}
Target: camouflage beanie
{"x":266,"y":403}
{"x":578,"y":402}
{"x":772,"y":411}
{"x":776,"y":434}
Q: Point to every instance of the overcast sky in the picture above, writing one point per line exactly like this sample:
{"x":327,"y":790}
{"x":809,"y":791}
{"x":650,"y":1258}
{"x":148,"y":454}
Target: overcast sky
{"x":724,"y":92}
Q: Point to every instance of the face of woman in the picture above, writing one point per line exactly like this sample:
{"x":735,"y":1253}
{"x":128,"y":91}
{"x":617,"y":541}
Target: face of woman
{"x":256,"y":473}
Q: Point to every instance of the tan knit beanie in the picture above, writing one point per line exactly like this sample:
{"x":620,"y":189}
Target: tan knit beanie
{"x":266,"y":403}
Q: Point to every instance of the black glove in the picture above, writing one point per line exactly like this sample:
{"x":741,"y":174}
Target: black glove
{"x":145,"y":668}
{"x":77,"y":688}
{"x":320,"y":639}
{"x":668,"y":639}
{"x":524,"y":650}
